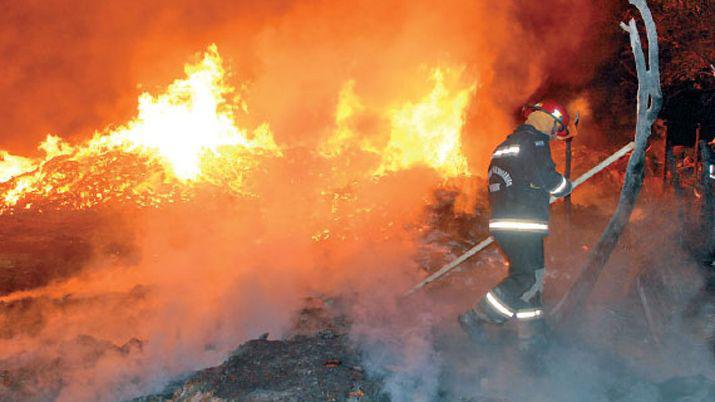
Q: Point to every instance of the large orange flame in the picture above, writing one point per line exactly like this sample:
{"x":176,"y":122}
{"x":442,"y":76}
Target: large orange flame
{"x":429,"y":131}
{"x":182,"y":131}
{"x":426,"y":132}
{"x":186,"y":122}
{"x":187,"y":136}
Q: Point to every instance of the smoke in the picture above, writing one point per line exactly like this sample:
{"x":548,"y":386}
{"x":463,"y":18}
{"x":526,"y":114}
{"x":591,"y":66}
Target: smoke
{"x":398,"y":344}
{"x":646,"y":323}
{"x":208,"y":275}
{"x":120,"y":330}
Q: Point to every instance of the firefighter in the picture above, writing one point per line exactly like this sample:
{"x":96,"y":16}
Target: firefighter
{"x":522,"y":178}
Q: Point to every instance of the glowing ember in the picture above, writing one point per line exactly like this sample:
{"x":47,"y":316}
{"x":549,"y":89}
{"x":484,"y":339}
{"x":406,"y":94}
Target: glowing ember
{"x":184,"y":136}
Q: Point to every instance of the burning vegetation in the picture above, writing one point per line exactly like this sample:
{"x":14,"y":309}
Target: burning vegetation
{"x":187,"y":137}
{"x":184,"y":137}
{"x":310,"y":163}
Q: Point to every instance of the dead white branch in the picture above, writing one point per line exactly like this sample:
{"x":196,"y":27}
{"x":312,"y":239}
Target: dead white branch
{"x":648,"y":106}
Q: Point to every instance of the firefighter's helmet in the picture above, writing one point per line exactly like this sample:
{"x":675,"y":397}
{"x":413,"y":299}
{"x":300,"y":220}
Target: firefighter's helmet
{"x":555,"y":110}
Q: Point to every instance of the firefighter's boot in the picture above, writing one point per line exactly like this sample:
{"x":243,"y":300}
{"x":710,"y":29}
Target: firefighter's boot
{"x":480,"y":325}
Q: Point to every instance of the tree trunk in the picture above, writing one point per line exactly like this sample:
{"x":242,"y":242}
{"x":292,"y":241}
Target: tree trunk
{"x":706,"y":212}
{"x":648,"y":107}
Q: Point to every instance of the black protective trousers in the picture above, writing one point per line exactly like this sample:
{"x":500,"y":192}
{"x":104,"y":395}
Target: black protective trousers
{"x":522,"y":288}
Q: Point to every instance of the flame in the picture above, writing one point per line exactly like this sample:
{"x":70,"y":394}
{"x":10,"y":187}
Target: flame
{"x":187,"y":136}
{"x":12,"y":165}
{"x":422,"y":133}
{"x":187,"y":121}
{"x":174,"y":142}
{"x":349,"y":105}
{"x":429,"y":132}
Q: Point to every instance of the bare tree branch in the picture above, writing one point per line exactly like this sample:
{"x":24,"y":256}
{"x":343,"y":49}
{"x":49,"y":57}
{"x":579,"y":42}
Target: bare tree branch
{"x":649,"y":102}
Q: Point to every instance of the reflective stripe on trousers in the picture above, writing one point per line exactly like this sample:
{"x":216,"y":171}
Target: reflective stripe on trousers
{"x":560,"y":187}
{"x":502,"y":308}
{"x":519,"y":294}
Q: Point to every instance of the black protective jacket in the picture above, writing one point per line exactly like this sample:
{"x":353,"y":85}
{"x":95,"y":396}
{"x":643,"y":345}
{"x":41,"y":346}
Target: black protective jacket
{"x":522,"y":177}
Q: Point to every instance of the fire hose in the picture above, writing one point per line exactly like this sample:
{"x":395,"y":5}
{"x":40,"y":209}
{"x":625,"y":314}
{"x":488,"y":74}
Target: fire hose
{"x":489,"y":240}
